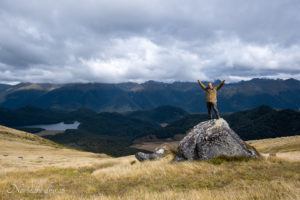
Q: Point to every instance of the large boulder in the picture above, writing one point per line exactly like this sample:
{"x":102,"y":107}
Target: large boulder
{"x":210,"y":139}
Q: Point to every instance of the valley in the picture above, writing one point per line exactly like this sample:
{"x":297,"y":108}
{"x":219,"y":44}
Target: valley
{"x":125,"y":133}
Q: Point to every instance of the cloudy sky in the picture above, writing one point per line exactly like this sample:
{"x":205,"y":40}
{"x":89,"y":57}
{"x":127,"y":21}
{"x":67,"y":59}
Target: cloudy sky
{"x":111,"y":41}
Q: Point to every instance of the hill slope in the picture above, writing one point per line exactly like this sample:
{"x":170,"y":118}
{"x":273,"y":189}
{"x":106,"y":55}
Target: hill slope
{"x":70,"y":174}
{"x":24,"y":150}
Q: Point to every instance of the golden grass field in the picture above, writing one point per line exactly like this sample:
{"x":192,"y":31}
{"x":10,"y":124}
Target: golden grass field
{"x":50,"y":171}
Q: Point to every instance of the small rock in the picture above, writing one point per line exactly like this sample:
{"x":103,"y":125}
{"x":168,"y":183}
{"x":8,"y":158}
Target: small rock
{"x":147,"y":156}
{"x":21,"y":157}
{"x":160,"y":151}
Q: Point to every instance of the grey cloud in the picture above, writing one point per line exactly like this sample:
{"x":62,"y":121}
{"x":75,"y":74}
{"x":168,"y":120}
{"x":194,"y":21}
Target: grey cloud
{"x":115,"y":41}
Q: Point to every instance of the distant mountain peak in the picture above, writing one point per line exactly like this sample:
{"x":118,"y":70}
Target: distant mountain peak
{"x":130,"y":96}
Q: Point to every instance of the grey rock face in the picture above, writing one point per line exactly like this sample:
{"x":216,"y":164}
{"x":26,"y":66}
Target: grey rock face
{"x":152,"y":156}
{"x":210,"y":139}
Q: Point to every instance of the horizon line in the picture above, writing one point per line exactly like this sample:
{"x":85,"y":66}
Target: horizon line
{"x":150,"y":80}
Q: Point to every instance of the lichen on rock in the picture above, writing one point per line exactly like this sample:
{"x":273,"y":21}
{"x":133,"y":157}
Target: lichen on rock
{"x":210,"y":139}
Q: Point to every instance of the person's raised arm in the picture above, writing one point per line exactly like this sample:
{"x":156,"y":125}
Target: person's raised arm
{"x":201,"y":84}
{"x":220,"y":85}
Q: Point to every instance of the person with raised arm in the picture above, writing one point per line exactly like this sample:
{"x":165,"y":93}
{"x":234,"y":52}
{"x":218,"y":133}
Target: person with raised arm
{"x":211,"y":97}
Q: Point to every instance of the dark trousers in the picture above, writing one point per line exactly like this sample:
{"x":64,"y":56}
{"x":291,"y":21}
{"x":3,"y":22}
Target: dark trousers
{"x":213,"y":105}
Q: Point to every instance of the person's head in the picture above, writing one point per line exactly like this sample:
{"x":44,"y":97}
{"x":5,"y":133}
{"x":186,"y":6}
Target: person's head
{"x":210,"y":85}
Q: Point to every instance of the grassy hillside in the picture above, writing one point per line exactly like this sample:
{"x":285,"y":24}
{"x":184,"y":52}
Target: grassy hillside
{"x":69,"y":174}
{"x":21,"y":150}
{"x":281,"y":147}
{"x":278,"y":145}
{"x":9,"y":135}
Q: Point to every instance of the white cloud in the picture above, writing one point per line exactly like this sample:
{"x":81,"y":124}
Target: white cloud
{"x":139,"y":59}
{"x":234,"y":52}
{"x":116,"y":41}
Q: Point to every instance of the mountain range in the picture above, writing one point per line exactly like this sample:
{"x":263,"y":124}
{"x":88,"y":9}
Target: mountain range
{"x":121,"y":97}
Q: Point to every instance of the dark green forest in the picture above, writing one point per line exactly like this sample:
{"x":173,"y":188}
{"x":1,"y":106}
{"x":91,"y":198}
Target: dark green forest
{"x":114,"y":132}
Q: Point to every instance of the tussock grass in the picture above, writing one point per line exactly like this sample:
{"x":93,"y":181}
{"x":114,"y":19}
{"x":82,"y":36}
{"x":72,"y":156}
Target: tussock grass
{"x":20,"y":150}
{"x":278,"y":145}
{"x":65,"y":174}
{"x":118,"y":179}
{"x":250,"y":147}
{"x":171,"y":150}
{"x":223,"y":158}
{"x":16,"y":135}
{"x":281,"y":147}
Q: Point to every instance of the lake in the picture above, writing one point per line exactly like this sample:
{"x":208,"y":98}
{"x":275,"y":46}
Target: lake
{"x":55,"y":127}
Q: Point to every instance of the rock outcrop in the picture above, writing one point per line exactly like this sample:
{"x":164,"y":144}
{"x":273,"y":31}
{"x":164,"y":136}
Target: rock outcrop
{"x":210,"y":139}
{"x":152,"y":156}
